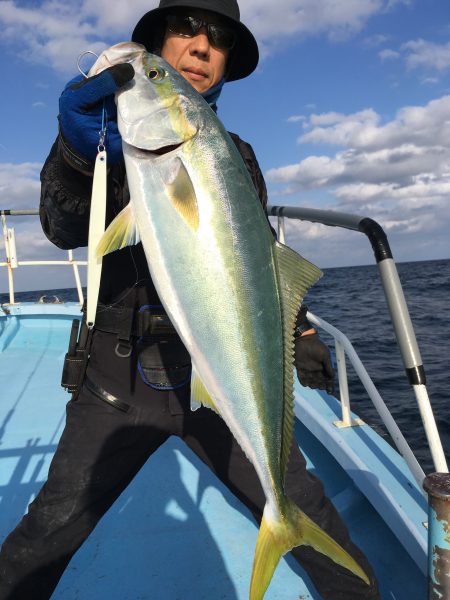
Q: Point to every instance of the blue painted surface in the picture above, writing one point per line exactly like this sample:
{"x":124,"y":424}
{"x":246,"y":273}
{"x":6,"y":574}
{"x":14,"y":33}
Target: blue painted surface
{"x":377,"y":471}
{"x":176,"y":532}
{"x":439,"y":540}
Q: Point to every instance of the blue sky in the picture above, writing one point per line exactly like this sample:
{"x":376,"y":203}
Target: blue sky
{"x":349,"y":110}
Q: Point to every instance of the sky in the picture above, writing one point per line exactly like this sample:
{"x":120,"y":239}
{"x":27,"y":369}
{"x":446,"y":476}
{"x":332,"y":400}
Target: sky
{"x":349,"y":110}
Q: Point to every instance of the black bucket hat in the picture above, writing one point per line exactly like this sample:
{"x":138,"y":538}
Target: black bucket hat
{"x":244,"y":55}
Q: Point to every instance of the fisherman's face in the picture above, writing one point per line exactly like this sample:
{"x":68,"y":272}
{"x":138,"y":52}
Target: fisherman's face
{"x":195,"y":58}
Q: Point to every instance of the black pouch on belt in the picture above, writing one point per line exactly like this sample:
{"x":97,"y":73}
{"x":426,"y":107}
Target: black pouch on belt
{"x":163,"y":361}
{"x":76,"y":359}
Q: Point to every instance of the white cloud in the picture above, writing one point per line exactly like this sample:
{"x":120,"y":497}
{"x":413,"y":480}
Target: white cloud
{"x":332,"y":118}
{"x":394,"y":3}
{"x":121,"y":19}
{"x":376,"y":40}
{"x":54,"y":32}
{"x":397,"y":173}
{"x":420,"y":53}
{"x":388,"y":54}
{"x":419,"y":125}
{"x":296,"y":119}
{"x":340,"y":129}
{"x":429,"y":81}
{"x":305,"y":17}
{"x":19,"y":185}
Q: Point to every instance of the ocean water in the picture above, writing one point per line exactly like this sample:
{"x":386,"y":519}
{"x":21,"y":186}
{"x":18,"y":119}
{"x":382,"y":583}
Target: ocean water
{"x":352,"y":299}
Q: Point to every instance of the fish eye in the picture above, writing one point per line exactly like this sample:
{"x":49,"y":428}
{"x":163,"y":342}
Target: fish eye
{"x":155,"y":74}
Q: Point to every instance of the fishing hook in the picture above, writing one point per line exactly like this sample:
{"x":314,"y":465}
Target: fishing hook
{"x":79,"y":60}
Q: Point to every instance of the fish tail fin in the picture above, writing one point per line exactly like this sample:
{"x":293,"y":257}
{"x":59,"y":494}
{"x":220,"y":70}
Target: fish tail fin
{"x":278,"y":537}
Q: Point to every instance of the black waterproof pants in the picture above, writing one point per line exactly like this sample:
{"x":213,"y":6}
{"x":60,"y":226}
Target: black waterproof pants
{"x":103,"y":447}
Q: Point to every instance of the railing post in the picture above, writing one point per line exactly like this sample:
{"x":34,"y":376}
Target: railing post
{"x":343,"y":385}
{"x":281,"y":230}
{"x":438,"y":487}
{"x":347,"y":420}
{"x":9,"y":261}
{"x":76,"y":274}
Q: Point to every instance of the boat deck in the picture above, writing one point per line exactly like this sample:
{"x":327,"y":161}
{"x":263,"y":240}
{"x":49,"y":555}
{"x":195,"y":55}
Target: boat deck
{"x":176,"y":533}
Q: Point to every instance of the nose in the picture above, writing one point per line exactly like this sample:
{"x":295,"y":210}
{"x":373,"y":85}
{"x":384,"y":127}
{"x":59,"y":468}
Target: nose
{"x":200,"y":45}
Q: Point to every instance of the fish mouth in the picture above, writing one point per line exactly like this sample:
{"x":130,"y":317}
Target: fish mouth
{"x":160,"y":151}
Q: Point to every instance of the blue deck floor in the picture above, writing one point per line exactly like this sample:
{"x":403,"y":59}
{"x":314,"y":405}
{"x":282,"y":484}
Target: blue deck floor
{"x":176,"y":532}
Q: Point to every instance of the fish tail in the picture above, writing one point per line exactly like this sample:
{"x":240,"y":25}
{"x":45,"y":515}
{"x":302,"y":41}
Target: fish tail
{"x":278,"y":537}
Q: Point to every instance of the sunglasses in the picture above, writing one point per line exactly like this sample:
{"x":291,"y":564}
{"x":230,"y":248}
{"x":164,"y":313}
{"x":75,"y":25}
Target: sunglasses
{"x":219,"y":36}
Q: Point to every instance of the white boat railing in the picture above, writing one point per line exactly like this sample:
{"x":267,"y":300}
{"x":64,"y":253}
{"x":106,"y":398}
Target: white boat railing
{"x":344,"y":348}
{"x":13,"y":263}
{"x":403,"y":329}
{"x":342,"y":345}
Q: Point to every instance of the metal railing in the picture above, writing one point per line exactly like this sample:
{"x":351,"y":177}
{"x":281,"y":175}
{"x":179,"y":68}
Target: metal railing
{"x":13,"y":263}
{"x":436,"y":485}
{"x":344,"y":349}
{"x":394,"y":294}
{"x":403,"y":329}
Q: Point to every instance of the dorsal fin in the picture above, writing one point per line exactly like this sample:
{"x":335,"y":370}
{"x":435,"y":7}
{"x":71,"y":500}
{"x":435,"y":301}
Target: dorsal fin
{"x":295,"y":275}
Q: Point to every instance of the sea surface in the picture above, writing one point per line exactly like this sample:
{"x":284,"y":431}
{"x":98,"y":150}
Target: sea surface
{"x":352,"y":299}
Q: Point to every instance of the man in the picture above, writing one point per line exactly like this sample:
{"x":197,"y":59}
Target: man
{"x":135,"y":391}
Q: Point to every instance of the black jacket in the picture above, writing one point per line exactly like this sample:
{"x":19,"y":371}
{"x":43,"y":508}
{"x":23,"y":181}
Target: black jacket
{"x":64,"y":213}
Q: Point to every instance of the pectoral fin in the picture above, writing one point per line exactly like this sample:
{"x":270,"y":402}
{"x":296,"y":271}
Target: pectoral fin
{"x":180,"y":191}
{"x":199,"y":394}
{"x":121,"y":232}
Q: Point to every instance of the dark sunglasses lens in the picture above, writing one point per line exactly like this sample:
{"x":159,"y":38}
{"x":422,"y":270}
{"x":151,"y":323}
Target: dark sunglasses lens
{"x":182,"y":25}
{"x":222,"y":37}
{"x":219,"y":36}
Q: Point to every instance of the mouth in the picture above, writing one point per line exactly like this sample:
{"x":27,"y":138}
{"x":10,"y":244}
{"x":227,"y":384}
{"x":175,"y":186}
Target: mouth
{"x":161,"y":151}
{"x":194,"y":73}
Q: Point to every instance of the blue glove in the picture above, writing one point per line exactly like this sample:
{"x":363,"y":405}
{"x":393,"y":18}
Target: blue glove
{"x":81,"y":107}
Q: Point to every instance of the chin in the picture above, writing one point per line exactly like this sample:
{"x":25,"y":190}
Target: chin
{"x":200,"y":88}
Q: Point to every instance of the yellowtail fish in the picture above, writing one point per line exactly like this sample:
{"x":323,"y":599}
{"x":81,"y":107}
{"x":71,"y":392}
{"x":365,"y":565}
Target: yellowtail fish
{"x":230,"y":289}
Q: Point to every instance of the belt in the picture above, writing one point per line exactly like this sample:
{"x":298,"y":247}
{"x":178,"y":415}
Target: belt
{"x":127,"y":322}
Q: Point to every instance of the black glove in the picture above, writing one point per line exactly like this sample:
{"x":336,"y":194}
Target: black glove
{"x":313,"y":363}
{"x":80,"y":112}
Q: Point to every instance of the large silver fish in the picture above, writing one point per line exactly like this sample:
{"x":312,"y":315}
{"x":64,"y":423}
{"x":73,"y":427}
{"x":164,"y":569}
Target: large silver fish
{"x":231,"y":291}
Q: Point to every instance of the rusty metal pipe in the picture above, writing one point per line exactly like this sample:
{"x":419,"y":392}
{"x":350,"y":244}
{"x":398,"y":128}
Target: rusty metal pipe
{"x":437,"y":485}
